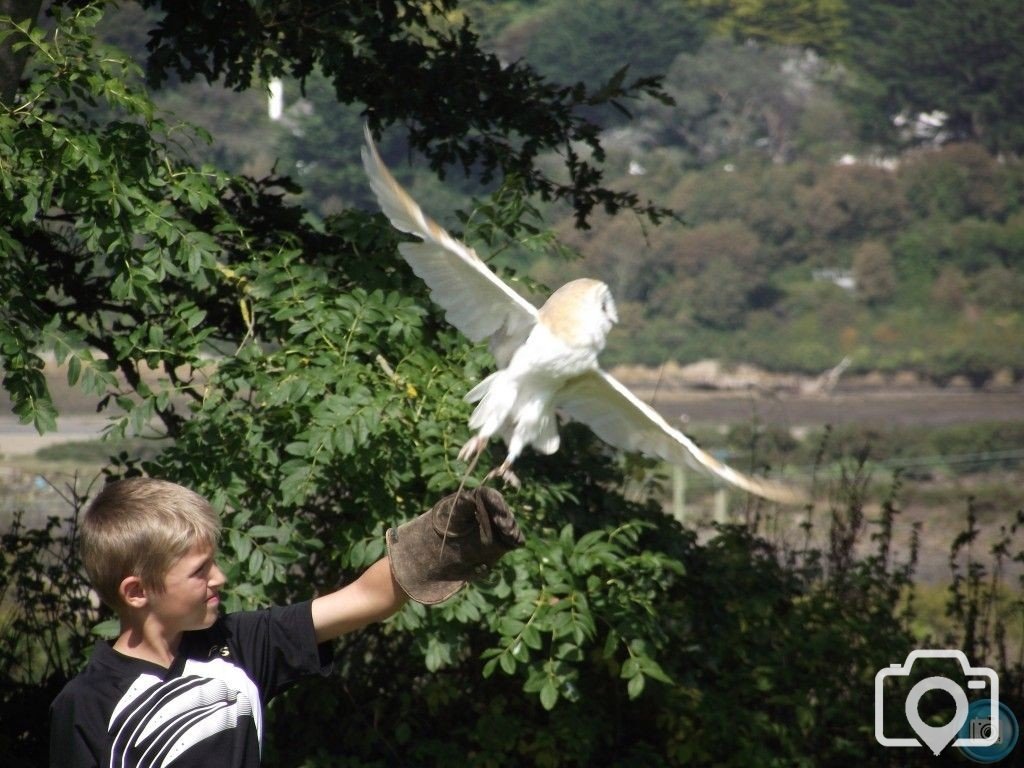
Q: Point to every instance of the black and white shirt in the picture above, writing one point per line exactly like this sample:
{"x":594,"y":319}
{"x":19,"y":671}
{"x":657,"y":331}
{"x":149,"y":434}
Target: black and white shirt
{"x":206,"y":711}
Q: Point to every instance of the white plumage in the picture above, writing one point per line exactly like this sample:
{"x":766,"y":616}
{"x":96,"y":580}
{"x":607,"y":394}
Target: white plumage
{"x":547,"y":358}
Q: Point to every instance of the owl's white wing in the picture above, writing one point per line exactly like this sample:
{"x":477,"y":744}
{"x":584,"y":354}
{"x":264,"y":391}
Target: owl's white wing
{"x":620,"y":418}
{"x":475,"y":300}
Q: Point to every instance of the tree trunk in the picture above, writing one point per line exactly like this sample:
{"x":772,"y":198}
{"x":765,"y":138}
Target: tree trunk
{"x":12,"y":64}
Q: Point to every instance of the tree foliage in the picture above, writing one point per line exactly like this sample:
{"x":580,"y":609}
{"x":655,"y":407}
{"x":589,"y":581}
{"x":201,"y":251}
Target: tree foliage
{"x":919,"y":56}
{"x":570,"y":41}
{"x":788,"y":228}
{"x":817,"y":24}
{"x":12,"y":62}
{"x":114,"y":244}
{"x":906,"y":58}
{"x":874,"y":273}
{"x":736,"y":103}
{"x":459,"y":103}
{"x":728,"y":97}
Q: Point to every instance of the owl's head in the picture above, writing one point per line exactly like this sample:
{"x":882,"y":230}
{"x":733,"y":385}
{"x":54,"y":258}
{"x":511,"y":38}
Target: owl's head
{"x":581,"y":312}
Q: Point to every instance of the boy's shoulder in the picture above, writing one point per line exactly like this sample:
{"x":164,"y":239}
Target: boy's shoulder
{"x":242,"y":636}
{"x":82,"y":683}
{"x":81,"y":713}
{"x":105,"y":671}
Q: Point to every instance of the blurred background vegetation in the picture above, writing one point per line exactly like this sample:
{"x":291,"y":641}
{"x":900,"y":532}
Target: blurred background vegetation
{"x":846,"y":181}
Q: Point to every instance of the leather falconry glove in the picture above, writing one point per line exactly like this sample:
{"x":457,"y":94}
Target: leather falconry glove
{"x":457,"y":540}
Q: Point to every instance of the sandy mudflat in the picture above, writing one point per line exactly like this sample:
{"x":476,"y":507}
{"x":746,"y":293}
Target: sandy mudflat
{"x":23,"y":440}
{"x":918,"y":406}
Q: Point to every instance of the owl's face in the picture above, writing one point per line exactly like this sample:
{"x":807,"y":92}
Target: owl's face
{"x":608,"y":305}
{"x":603,"y":310}
{"x":581,"y":312}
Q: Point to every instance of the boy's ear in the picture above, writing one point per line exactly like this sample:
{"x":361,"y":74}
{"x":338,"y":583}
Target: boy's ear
{"x":132,"y":592}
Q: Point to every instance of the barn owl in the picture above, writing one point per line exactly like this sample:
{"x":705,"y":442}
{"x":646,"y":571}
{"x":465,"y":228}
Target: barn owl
{"x":547,"y":357}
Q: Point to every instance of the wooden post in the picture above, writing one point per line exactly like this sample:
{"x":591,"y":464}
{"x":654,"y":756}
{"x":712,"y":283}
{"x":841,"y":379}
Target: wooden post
{"x":678,"y":493}
{"x":721,"y":505}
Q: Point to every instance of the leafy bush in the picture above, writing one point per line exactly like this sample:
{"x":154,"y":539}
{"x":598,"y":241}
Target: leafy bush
{"x":614,"y":637}
{"x":47,"y":612}
{"x":955,"y":182}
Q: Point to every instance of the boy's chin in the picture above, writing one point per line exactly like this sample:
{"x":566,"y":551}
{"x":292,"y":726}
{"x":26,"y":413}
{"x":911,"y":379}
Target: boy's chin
{"x":209,"y":619}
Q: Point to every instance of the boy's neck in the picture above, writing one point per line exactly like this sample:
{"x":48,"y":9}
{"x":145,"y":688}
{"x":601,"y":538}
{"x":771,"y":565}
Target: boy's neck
{"x":147,"y":642}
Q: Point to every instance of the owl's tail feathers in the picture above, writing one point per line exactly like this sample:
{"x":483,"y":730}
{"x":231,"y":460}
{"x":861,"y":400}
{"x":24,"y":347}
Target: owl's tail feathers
{"x":547,"y":439}
{"x":480,"y":390}
{"x":496,"y":396}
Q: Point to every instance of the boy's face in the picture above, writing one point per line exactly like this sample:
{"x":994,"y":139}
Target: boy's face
{"x":190,"y":597}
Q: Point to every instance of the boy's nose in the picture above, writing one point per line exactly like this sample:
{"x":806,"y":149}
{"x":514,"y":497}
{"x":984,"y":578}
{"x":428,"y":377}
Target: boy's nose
{"x":217,"y":577}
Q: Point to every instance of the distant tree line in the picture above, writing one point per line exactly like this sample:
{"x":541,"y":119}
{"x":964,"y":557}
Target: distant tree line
{"x":791,"y":138}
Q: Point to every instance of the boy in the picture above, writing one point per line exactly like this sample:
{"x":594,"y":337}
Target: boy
{"x":184,"y":686}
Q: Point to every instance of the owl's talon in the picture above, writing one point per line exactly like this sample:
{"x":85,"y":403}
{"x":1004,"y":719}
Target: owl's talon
{"x":473,"y":447}
{"x":506,"y":474}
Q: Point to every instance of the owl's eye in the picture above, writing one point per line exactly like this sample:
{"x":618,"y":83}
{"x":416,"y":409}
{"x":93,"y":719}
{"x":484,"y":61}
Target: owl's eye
{"x":608,"y":307}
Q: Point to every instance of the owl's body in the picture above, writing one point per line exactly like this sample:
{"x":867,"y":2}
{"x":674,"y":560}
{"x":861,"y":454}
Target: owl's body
{"x":547,"y":357}
{"x":517,"y":402}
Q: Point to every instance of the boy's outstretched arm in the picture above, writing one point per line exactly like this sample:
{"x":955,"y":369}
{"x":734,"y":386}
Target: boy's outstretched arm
{"x":374,"y":596}
{"x":429,"y":559}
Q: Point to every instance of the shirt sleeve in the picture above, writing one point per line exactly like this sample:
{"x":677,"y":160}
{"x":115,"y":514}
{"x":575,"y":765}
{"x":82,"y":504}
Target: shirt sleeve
{"x":70,"y":726}
{"x":278,"y":645}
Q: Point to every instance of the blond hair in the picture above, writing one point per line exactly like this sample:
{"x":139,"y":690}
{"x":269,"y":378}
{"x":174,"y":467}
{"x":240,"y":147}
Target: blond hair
{"x":141,"y":527}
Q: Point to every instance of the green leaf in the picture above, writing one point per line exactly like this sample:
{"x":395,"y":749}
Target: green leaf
{"x":255,"y":563}
{"x":267,"y":571}
{"x":510,"y":627}
{"x":490,"y":666}
{"x":549,"y":695}
{"x":630,"y":667}
{"x":74,"y":370}
{"x":651,"y":668}
{"x":263,"y":531}
{"x":635,"y":686}
{"x":43,"y":415}
{"x":242,"y":545}
{"x":508,"y":663}
{"x":108,"y":629}
{"x":532,"y":637}
{"x":31,"y":204}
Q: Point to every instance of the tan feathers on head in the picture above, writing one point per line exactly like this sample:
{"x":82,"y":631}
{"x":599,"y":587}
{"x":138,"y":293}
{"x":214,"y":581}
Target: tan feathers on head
{"x":577,"y":312}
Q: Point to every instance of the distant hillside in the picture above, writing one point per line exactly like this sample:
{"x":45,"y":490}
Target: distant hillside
{"x":798,"y":243}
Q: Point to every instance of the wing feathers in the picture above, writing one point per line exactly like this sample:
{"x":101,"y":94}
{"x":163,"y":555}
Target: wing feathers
{"x":618,"y":417}
{"x":475,"y":299}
